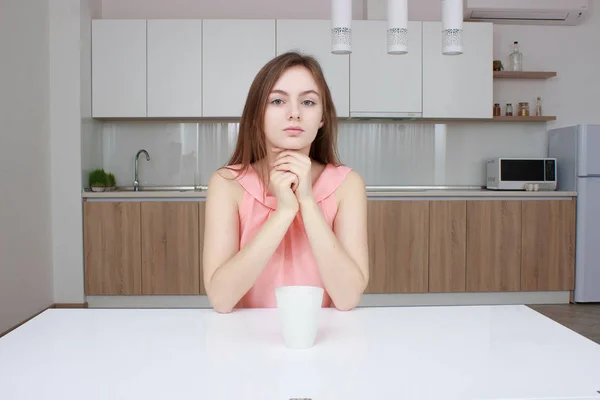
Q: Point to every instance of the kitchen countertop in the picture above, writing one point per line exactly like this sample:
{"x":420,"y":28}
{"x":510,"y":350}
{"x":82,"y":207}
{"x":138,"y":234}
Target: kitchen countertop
{"x":418,"y":353}
{"x":399,"y":193}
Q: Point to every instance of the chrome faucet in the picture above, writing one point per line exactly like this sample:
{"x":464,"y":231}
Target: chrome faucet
{"x":136,"y":182}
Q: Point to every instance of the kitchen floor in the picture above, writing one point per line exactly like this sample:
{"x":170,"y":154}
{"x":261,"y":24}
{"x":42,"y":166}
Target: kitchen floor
{"x":581,"y":318}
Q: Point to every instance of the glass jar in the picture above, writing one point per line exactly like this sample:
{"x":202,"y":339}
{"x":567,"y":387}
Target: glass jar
{"x":509,"y":110}
{"x":516,"y":58}
{"x":497,"y":111}
{"x":524,"y":109}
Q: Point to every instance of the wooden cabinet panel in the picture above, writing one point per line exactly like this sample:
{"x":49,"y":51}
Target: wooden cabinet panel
{"x":398,"y":234}
{"x":447,"y":245}
{"x":201,"y":219}
{"x":548,"y":255}
{"x":111,"y":237}
{"x":493,"y":245}
{"x":170,"y":248}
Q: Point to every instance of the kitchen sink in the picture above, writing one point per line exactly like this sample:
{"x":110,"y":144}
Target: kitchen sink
{"x":162,"y":189}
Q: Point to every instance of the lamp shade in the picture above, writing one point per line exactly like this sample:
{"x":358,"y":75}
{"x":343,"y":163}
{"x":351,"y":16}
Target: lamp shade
{"x":452,"y":27}
{"x":397,"y":33}
{"x":341,"y":26}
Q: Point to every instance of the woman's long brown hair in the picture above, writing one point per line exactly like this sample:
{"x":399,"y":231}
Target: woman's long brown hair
{"x":251,"y":143}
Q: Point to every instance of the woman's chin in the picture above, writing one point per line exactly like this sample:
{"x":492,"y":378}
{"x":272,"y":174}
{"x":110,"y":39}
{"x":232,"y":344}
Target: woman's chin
{"x":292,"y":145}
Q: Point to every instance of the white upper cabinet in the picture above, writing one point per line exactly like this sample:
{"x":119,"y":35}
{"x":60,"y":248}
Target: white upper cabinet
{"x":312,"y":37}
{"x":384,"y":85}
{"x":234,"y":51}
{"x":458,"y":86}
{"x":174,"y":68}
{"x":118,"y":68}
{"x":204,"y":68}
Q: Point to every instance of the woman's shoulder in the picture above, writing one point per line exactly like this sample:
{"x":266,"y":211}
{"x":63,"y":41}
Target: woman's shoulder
{"x":352,"y":183}
{"x":336,"y":179}
{"x":225,"y":182}
{"x":345,"y":182}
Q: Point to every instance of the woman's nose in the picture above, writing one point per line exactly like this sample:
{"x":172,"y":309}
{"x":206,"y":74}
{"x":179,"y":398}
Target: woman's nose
{"x":294,"y":112}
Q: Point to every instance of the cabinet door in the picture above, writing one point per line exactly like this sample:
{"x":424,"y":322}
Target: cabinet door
{"x":118,"y":68}
{"x":234,"y":51}
{"x":170,"y":248}
{"x":111,"y":241}
{"x":175,"y":68}
{"x":458,"y":86}
{"x":493,"y":245}
{"x":201,"y":224}
{"x":548,"y":256}
{"x":381,"y":84}
{"x":312,"y":37}
{"x":398,"y":233}
{"x":447,"y":245}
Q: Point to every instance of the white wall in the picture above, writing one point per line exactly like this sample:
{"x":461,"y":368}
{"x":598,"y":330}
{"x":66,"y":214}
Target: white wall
{"x":574,"y":52}
{"x":26,"y":283}
{"x":418,"y":10}
{"x":91,"y":138}
{"x":150,"y":9}
{"x":65,"y":126}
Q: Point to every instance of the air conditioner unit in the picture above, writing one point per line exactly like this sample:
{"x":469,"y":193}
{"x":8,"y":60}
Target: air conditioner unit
{"x":527,"y":12}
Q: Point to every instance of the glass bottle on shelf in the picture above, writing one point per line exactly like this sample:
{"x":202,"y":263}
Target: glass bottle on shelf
{"x":509,"y":110}
{"x":516,"y":58}
{"x":538,"y":107}
{"x":523,"y":109}
{"x":497,"y":111}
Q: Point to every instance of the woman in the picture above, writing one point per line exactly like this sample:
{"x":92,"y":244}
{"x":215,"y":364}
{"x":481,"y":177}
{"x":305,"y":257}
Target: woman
{"x":284,"y":211}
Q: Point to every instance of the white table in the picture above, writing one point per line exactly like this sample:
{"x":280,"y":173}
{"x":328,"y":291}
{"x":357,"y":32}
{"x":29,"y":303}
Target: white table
{"x":441,"y":353}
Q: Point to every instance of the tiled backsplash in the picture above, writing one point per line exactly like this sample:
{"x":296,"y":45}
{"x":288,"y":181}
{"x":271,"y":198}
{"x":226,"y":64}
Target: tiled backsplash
{"x":384,"y":153}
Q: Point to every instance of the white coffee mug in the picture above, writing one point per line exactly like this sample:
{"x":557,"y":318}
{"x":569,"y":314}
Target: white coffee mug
{"x":299,"y":309}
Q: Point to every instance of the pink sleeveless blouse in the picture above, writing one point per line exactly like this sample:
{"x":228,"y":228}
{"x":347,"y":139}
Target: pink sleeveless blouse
{"x":293,"y":262}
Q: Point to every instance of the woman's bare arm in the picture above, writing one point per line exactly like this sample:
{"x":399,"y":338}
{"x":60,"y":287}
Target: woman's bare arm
{"x":228,"y":271}
{"x":342,"y":253}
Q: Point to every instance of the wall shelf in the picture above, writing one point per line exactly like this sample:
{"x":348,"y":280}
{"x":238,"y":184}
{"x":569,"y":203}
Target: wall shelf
{"x":523,"y":74}
{"x":517,"y":118}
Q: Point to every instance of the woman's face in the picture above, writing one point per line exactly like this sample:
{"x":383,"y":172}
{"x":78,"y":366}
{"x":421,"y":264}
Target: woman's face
{"x":294,"y":111}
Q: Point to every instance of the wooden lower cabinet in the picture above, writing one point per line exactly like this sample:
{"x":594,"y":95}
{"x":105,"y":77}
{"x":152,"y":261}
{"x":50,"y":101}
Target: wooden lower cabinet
{"x":447,"y":245}
{"x":170,"y":248}
{"x":143,"y":248}
{"x":548,"y":245}
{"x":201,"y":211}
{"x":398,"y":238}
{"x":415,"y":246}
{"x":493,"y":245}
{"x":112,"y":248}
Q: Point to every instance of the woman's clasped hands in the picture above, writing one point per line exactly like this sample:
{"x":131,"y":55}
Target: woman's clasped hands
{"x":291,"y":178}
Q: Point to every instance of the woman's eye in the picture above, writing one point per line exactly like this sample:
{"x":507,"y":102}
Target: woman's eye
{"x":277,"y":101}
{"x":309,"y":103}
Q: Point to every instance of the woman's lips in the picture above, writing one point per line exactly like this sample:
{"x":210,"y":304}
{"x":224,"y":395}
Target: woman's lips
{"x":294,"y":130}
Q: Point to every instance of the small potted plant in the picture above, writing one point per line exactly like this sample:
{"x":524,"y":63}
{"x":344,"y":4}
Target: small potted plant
{"x":98,"y":180}
{"x":111,"y":182}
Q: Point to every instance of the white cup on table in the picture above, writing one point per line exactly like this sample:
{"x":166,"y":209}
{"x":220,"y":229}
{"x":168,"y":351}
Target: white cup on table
{"x":299,"y":309}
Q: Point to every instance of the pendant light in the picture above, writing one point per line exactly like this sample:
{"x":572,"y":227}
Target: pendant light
{"x":452,"y":27}
{"x":341,"y":26}
{"x":397,"y":33}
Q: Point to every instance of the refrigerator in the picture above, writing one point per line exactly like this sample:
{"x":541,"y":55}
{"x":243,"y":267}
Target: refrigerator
{"x":577,"y":153}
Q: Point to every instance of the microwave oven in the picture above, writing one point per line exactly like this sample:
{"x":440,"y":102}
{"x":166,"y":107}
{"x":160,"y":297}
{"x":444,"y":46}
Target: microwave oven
{"x":518,"y":173}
